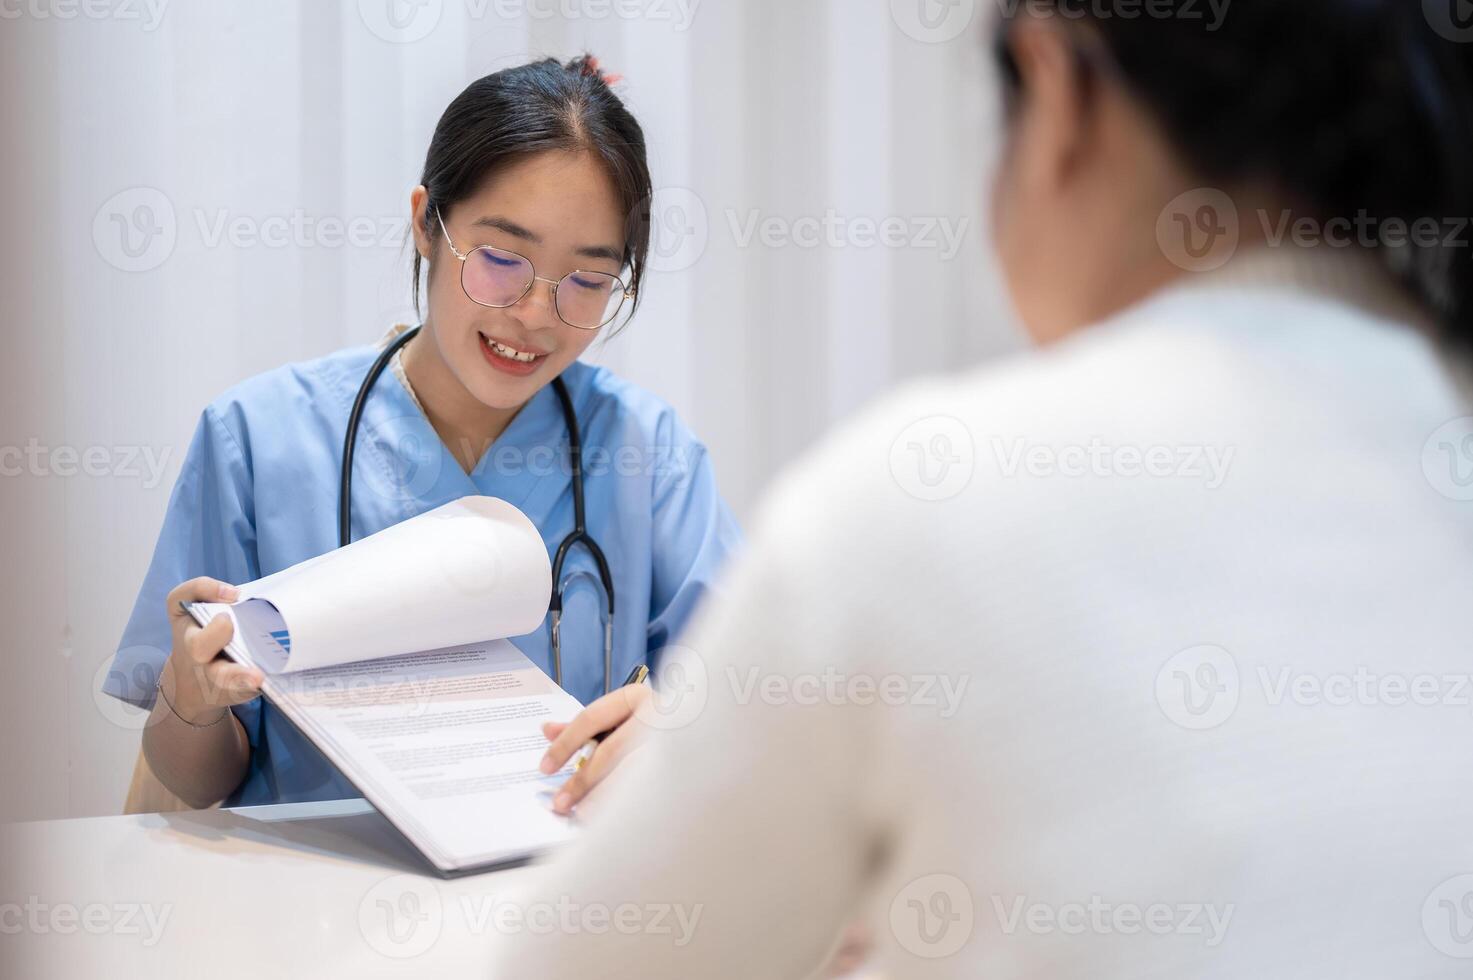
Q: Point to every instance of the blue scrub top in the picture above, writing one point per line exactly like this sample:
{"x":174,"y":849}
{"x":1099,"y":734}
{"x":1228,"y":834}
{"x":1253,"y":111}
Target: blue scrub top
{"x":259,"y":492}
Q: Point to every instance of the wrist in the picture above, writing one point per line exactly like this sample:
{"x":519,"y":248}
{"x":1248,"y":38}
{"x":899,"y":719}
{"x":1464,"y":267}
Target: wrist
{"x":186,"y":701}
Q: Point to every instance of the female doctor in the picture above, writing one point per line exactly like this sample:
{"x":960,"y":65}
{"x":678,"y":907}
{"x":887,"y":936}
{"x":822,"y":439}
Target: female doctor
{"x":532,"y":220}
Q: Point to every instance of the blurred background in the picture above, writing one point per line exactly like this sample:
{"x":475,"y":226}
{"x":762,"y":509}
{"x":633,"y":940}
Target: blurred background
{"x":200,"y":191}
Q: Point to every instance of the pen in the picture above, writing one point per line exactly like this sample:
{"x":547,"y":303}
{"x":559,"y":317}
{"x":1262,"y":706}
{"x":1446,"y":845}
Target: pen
{"x":638,"y":675}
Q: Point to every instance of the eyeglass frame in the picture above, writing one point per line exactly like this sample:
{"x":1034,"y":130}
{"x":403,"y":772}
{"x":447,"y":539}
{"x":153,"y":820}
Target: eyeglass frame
{"x":627,"y":290}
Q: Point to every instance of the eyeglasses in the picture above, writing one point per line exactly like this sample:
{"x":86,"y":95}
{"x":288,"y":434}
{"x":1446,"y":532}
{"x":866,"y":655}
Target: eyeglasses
{"x":498,"y":278}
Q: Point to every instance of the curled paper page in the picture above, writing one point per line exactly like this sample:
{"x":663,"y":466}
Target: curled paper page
{"x":472,"y":570}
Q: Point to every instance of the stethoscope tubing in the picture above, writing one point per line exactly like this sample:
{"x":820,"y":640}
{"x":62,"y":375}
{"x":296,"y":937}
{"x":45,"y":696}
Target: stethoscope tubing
{"x":579,"y":534}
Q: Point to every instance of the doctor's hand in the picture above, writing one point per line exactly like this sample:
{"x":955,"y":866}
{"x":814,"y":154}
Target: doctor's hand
{"x":614,"y":711}
{"x":201,"y":683}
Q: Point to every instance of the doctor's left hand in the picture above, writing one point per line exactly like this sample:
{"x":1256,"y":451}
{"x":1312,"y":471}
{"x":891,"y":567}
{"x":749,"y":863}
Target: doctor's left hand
{"x":615,"y":711}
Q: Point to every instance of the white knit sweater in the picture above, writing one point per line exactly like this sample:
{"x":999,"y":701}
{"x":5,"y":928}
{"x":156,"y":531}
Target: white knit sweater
{"x":1144,"y":656}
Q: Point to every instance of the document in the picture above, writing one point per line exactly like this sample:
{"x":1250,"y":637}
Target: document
{"x":391,"y":655}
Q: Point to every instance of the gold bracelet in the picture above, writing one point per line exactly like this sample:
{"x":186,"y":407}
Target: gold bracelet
{"x":159,"y":687}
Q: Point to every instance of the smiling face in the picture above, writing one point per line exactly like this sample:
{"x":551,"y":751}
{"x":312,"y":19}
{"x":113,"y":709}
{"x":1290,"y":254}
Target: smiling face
{"x":560,"y":211}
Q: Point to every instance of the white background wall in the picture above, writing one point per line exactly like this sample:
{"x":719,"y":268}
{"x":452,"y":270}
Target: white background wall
{"x":190,"y":115}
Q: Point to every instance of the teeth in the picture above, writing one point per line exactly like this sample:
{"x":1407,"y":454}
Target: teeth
{"x":511,"y":353}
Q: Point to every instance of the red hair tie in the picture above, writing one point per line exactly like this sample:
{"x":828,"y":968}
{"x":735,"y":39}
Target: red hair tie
{"x":590,"y":67}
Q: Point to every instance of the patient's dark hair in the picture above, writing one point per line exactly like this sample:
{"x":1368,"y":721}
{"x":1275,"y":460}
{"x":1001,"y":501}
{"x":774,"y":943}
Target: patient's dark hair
{"x":532,"y":108}
{"x":1339,"y":106}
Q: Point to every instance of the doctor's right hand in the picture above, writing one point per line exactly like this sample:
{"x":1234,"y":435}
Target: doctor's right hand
{"x":200,"y":682}
{"x":614,"y":714}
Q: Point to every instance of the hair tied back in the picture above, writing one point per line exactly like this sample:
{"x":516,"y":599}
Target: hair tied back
{"x":588,"y":65}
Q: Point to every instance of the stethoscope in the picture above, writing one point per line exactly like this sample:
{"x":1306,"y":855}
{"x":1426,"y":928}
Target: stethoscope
{"x":579,"y":534}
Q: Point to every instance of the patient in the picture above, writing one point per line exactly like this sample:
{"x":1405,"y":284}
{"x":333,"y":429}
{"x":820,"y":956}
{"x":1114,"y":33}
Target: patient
{"x":1146,"y":654}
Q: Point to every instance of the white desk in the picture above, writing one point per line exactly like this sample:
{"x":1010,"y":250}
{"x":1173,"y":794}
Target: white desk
{"x":314,"y":890}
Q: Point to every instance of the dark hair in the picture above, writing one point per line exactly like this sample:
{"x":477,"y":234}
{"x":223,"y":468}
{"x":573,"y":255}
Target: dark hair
{"x":1339,"y":106}
{"x":530,"y":109}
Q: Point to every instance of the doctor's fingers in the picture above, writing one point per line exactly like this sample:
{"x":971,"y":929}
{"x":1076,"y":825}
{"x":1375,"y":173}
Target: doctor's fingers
{"x":608,"y":754}
{"x":222,"y":683}
{"x":234,"y":682}
{"x":605,"y":714}
{"x":204,"y":643}
{"x":195,"y":590}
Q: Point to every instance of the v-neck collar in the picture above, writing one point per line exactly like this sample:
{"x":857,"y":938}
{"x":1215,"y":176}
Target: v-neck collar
{"x":403,"y":468}
{"x":532,"y":448}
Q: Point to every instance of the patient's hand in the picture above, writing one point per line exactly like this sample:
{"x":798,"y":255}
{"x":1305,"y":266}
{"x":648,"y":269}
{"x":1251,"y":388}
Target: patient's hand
{"x":614,"y":710}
